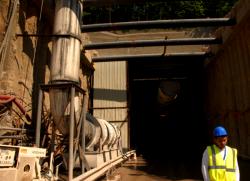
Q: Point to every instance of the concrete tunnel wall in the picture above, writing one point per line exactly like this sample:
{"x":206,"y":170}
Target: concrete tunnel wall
{"x":227,"y":98}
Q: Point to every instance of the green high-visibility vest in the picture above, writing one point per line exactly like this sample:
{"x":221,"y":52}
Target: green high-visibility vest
{"x":219,"y":169}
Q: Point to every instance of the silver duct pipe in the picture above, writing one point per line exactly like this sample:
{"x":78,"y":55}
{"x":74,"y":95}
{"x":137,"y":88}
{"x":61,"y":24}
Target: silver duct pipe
{"x":142,"y":57}
{"x":65,"y":61}
{"x":156,"y":24}
{"x":147,"y":43}
{"x":100,"y":132}
{"x":66,"y":50}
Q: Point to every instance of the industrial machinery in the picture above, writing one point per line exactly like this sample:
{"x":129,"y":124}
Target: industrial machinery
{"x":102,"y":145}
{"x":105,"y":143}
{"x":20,"y":163}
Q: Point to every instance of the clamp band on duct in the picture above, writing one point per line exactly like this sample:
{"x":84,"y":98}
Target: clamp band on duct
{"x":66,"y":35}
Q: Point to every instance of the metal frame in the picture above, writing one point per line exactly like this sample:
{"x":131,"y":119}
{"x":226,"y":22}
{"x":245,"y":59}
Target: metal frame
{"x":73,"y":86}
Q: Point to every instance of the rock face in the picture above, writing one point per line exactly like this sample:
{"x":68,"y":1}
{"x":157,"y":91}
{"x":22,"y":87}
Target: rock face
{"x":20,"y":54}
{"x":3,"y":16}
{"x":23,"y":59}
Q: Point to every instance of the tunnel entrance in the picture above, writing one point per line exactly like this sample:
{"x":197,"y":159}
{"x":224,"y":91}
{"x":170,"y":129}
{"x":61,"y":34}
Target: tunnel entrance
{"x":168,"y":129}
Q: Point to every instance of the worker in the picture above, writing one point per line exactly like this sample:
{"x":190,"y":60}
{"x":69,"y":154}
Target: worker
{"x":219,"y":162}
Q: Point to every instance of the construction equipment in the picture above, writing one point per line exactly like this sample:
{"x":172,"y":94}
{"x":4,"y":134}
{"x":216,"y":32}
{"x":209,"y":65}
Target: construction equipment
{"x":19,"y":163}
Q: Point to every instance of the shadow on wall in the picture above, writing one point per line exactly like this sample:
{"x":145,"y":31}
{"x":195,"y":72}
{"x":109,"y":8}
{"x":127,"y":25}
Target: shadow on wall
{"x":244,"y":169}
{"x":35,"y":48}
{"x":28,"y":47}
{"x":110,"y":95}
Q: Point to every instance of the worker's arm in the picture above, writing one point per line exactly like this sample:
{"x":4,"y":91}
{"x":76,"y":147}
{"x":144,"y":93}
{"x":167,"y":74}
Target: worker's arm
{"x":204,"y":166}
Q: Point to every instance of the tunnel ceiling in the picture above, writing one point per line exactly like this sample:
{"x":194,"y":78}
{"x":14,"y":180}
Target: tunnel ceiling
{"x":165,"y":68}
{"x":161,"y":62}
{"x":155,"y":61}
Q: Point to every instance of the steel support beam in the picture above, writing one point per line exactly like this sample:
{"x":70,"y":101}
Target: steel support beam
{"x":109,"y":108}
{"x":85,"y":110}
{"x":159,"y":79}
{"x":71,"y":134}
{"x":72,"y":87}
{"x":156,"y":24}
{"x":39,"y":117}
{"x":112,"y":2}
{"x":145,"y":43}
{"x":149,"y":56}
{"x":108,"y":3}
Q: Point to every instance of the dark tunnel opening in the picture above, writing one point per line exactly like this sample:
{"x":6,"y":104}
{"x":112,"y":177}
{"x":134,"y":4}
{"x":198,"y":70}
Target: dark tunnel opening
{"x":170,"y":135}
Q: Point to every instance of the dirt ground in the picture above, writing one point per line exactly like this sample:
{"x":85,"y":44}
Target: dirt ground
{"x":140,"y":170}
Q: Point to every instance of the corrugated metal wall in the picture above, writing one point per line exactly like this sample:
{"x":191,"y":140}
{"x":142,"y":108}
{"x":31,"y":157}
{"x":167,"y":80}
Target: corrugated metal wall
{"x":228,"y":81}
{"x":110,"y":95}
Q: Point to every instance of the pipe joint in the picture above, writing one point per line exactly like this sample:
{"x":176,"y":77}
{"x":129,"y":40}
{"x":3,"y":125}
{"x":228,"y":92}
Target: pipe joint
{"x":68,"y":35}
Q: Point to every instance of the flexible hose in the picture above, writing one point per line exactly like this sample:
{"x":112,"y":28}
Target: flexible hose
{"x":5,"y":99}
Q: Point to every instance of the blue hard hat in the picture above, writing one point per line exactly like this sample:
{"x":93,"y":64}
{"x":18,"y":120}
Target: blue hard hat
{"x":219,"y":131}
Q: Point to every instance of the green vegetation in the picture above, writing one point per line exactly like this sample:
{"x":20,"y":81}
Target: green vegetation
{"x":156,"y":10}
